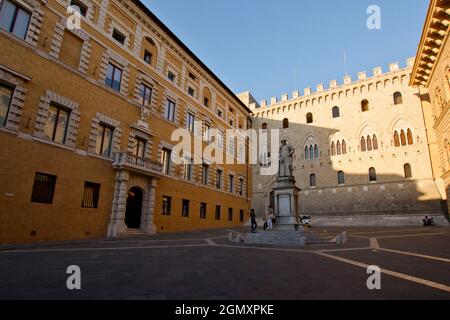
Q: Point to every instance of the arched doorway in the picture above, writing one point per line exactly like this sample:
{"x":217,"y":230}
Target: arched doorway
{"x":134,"y":208}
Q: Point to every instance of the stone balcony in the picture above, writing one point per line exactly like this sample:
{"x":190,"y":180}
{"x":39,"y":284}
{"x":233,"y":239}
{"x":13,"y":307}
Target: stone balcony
{"x":128,"y":161}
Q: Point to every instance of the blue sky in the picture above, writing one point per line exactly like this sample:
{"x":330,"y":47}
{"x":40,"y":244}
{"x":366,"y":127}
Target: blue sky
{"x":260,"y":45}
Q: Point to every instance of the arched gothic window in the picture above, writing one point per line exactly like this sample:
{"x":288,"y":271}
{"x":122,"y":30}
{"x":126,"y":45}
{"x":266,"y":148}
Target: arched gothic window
{"x":333,"y":149}
{"x":365,"y":105}
{"x":338,"y":147}
{"x":372,"y":175}
{"x":396,"y":139}
{"x":336,"y":112}
{"x":398,"y":99}
{"x":403,"y":138}
{"x":408,"y":171}
{"x":375,"y":142}
{"x":369,"y":144}
{"x":312,"y":180}
{"x":363,"y":144}
{"x":341,"y":177}
{"x":410,"y":137}
{"x":344,"y":147}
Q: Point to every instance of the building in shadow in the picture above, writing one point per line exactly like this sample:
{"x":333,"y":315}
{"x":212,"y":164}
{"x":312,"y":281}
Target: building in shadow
{"x":362,"y":154}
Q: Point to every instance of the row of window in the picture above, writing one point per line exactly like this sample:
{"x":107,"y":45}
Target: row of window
{"x":369,"y":143}
{"x":44,"y":189}
{"x":336,"y":112}
{"x":56,"y":129}
{"x":16,"y":19}
{"x":372,"y":176}
{"x":203,"y":213}
{"x":338,"y":148}
{"x":188,"y":174}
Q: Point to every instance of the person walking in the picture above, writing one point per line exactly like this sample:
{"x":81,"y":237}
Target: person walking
{"x":265,"y":218}
{"x":253,"y":220}
{"x":270,"y":218}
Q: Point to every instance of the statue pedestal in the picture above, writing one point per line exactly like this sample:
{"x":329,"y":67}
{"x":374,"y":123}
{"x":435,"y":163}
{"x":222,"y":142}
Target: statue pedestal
{"x":286,"y":204}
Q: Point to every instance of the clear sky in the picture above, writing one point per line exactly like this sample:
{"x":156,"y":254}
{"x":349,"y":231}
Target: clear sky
{"x":261,"y":45}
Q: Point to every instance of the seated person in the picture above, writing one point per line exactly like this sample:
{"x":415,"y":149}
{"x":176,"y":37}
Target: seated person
{"x":427,"y":222}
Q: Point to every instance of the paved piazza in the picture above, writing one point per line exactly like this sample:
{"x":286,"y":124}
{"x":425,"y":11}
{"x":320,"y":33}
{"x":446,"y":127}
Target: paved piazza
{"x":415,"y":264}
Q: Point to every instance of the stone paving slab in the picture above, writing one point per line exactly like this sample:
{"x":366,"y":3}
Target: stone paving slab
{"x":427,"y":269}
{"x":183,"y":274}
{"x":135,"y":269}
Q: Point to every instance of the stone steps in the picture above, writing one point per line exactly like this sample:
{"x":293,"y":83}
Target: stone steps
{"x":286,"y":238}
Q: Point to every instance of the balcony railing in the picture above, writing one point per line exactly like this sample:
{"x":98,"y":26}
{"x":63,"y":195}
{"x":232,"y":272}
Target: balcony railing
{"x":126,"y":160}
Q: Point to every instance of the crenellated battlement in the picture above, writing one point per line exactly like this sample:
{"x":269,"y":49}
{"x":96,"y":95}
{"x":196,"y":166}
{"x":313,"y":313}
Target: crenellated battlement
{"x":377,"y":72}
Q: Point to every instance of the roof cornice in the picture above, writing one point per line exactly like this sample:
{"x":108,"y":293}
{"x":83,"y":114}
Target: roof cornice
{"x":434,"y":36}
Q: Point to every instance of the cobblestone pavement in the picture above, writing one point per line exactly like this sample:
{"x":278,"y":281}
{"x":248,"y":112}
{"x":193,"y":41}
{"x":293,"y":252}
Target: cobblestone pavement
{"x":415,"y":264}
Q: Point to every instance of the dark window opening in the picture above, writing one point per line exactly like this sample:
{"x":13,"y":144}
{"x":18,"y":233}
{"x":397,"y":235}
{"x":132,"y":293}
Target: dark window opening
{"x":372,"y":175}
{"x":203,"y":207}
{"x":118,"y":36}
{"x":80,"y":7}
{"x":408,"y":171}
{"x":336,"y":112}
{"x":148,"y":57}
{"x":185,"y":208}
{"x":312,"y":180}
{"x":91,"y":195}
{"x":43,"y":188}
{"x":218,"y":212}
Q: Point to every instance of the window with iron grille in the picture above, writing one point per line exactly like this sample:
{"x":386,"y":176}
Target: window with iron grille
{"x":230,"y":214}
{"x":218,"y":212}
{"x":241,"y":215}
{"x":185,"y":208}
{"x":203,"y":210}
{"x":91,"y":195}
{"x":43,"y":188}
